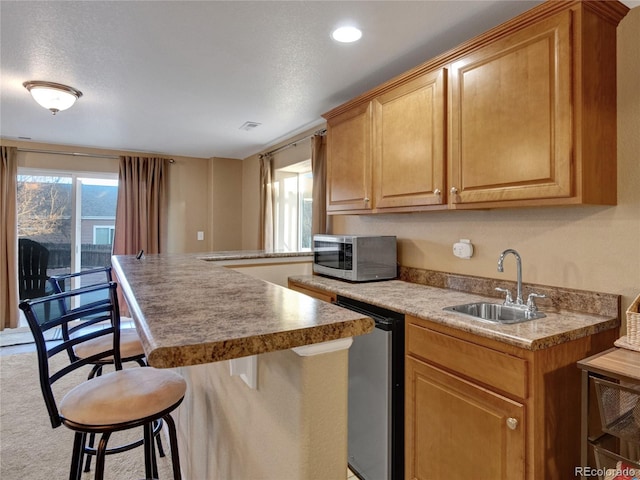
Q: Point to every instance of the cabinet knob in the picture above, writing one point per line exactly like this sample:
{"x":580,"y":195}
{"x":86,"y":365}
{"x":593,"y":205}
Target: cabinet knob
{"x":437,"y":192}
{"x":366,"y":199}
{"x":454,"y":191}
{"x":512,"y":423}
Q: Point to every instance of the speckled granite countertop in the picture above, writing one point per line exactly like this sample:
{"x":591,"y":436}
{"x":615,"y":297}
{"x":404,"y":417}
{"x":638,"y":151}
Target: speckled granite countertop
{"x":189,"y":311}
{"x":427,"y":302}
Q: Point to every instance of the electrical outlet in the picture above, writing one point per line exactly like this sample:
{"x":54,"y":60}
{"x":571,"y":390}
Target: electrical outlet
{"x":463,"y":249}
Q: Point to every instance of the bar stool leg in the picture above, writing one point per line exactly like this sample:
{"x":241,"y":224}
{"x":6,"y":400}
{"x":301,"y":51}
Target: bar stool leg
{"x":157,"y":432}
{"x":100,"y":455}
{"x":173,"y":443}
{"x":148,"y":451}
{"x":75,"y":472}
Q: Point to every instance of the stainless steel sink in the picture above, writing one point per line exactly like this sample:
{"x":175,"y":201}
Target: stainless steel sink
{"x":494,"y":312}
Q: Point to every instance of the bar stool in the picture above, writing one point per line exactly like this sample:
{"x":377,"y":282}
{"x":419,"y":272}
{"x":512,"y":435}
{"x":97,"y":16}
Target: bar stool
{"x":130,"y":346}
{"x":115,"y":401}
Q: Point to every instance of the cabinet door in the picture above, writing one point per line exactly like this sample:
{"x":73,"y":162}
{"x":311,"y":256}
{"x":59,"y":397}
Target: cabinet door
{"x":349,"y":160}
{"x":458,"y":430}
{"x":409,"y":154}
{"x":511,"y":118}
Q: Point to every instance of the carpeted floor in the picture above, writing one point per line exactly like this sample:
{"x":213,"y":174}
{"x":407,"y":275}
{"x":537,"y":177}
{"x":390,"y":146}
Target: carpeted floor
{"x":31,"y":449}
{"x":23,"y":335}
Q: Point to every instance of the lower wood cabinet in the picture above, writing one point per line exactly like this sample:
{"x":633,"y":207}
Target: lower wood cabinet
{"x":457,"y":429}
{"x":477,"y":408}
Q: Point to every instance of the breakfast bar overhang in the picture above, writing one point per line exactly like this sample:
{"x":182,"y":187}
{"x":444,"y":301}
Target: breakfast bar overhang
{"x":266,"y":367}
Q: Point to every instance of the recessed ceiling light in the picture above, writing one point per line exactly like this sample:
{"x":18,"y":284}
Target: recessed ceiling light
{"x":346,"y":34}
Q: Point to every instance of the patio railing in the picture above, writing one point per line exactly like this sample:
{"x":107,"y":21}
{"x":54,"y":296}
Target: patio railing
{"x":91,"y":255}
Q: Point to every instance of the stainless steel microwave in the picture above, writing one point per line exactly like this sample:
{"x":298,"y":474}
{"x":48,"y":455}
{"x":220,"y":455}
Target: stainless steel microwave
{"x":357,"y":258}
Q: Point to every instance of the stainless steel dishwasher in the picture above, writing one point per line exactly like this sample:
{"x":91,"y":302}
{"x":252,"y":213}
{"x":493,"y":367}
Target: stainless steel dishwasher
{"x":376,"y":395}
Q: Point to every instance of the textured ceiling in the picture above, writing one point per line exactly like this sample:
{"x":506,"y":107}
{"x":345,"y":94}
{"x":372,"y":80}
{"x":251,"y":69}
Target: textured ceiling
{"x":181,"y":77}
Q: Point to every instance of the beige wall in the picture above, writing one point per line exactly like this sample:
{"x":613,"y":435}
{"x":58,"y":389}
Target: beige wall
{"x":251,"y":203}
{"x":205,"y":195}
{"x":225,"y":194}
{"x":591,"y":248}
{"x":188,"y":205}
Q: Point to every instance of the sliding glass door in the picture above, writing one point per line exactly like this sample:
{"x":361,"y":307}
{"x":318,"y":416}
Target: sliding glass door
{"x":66,"y":223}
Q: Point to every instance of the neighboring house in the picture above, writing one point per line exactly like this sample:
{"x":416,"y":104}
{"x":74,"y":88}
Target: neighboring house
{"x":98,"y":217}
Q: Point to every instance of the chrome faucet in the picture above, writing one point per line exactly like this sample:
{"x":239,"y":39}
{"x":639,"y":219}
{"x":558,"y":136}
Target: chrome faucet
{"x":518,"y":265}
{"x":530,"y":306}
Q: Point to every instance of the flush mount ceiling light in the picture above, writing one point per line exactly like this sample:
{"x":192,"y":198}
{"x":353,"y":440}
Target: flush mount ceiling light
{"x":53,"y":96}
{"x":346,"y":34}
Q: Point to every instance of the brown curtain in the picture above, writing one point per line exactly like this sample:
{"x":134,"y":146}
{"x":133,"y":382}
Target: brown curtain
{"x":266,"y":203}
{"x":9,"y":297}
{"x":319,"y":171}
{"x":141,"y":212}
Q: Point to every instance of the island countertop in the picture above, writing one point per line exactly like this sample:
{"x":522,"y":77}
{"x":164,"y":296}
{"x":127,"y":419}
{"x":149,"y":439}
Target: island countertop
{"x":190,"y":311}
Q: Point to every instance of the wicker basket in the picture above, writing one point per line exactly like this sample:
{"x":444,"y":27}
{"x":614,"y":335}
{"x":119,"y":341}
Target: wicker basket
{"x":633,"y":322}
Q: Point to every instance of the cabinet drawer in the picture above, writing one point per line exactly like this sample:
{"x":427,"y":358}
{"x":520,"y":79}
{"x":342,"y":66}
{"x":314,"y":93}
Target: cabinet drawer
{"x":481,"y":364}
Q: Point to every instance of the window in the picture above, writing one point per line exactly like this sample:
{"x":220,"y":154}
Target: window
{"x":103,"y":235}
{"x":72,"y":215}
{"x":293,"y":207}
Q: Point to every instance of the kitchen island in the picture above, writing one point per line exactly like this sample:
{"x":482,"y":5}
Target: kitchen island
{"x":266,"y":367}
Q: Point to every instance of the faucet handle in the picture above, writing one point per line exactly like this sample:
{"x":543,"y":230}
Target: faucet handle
{"x":531,"y":301}
{"x":508,"y":298}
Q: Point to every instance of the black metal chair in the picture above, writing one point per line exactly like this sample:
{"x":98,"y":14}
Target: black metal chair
{"x":115,"y":401}
{"x":131,"y":349}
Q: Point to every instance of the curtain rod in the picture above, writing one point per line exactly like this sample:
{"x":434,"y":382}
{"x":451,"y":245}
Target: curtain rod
{"x":74,"y":154}
{"x":321,"y":132}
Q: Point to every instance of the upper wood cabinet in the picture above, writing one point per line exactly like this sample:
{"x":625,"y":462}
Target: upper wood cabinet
{"x":511,"y":117}
{"x":523,"y":115}
{"x":349,"y":160}
{"x":522,"y":112}
{"x":409,"y":154}
{"x":388,"y":154}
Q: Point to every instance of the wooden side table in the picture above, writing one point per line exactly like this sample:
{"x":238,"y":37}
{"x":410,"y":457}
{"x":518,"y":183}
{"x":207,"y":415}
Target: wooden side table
{"x":616,"y":364}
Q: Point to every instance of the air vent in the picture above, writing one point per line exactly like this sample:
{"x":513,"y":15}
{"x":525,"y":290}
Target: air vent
{"x":249,"y":125}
